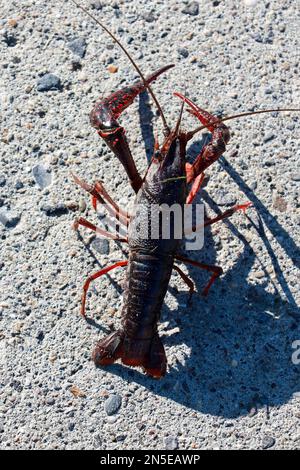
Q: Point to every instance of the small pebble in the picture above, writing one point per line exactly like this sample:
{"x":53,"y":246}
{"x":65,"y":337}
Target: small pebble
{"x":54,"y":211}
{"x":112,"y":68}
{"x":295,"y":176}
{"x":268,"y":91}
{"x":76,"y":65}
{"x":112,"y":419}
{"x":191,"y":8}
{"x":42,"y":175}
{"x":9,"y":218}
{"x":257,"y":37}
{"x":48,"y":82}
{"x":82,"y":76}
{"x":253,"y":185}
{"x":40,"y":335}
{"x":171,"y":443}
{"x":76,"y":392}
{"x":252,"y":412}
{"x":259,"y":274}
{"x":2,"y":180}
{"x":225,"y":199}
{"x":12,"y":23}
{"x":19,"y":185}
{"x":268,"y":441}
{"x":96,"y":5}
{"x":132,"y":19}
{"x":183,"y":52}
{"x":50,"y":401}
{"x":149,"y":17}
{"x":112,"y":404}
{"x":268,"y":137}
{"x":72,"y":205}
{"x":52,"y":357}
{"x":9,"y":39}
{"x":280,"y":204}
{"x":101,"y":245}
{"x":82,"y":205}
{"x":78,"y":47}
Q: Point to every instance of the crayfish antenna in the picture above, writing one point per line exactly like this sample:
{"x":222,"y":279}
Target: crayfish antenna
{"x":115,"y":39}
{"x":247,"y":113}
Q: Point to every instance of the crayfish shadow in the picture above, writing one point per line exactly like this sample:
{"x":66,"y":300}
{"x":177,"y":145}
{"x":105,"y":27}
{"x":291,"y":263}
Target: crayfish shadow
{"x":233,"y":352}
{"x":146,"y":117}
{"x":277,"y":230}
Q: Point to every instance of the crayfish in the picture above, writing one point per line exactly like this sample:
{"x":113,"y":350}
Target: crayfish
{"x":151,"y":260}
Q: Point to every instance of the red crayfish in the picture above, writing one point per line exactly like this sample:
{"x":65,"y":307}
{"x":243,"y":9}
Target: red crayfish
{"x":166,"y":181}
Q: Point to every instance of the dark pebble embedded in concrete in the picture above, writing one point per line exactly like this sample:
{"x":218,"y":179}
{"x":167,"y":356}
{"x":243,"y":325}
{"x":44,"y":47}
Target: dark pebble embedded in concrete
{"x":257,"y":37}
{"x":50,"y":401}
{"x":78,"y":47}
{"x":113,"y":404}
{"x":42,"y":175}
{"x":191,"y":8}
{"x":171,"y":443}
{"x":268,"y":137}
{"x":54,"y":211}
{"x":19,"y":185}
{"x":48,"y":82}
{"x":76,"y":65}
{"x":2,"y":180}
{"x":183,"y":52}
{"x":149,"y":17}
{"x":96,"y":5}
{"x":9,"y":218}
{"x":295,"y":176}
{"x":101,"y":245}
{"x":9,"y":39}
{"x":71,"y":426}
{"x":268,"y":442}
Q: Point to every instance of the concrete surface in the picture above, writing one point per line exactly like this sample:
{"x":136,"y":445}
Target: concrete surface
{"x":231,"y":382}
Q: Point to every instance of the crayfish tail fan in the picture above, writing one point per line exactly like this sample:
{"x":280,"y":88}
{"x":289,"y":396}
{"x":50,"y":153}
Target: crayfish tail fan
{"x":108,"y":350}
{"x":146,"y":353}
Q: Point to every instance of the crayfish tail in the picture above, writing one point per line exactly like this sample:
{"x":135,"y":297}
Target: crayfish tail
{"x":145,"y":353}
{"x":108,"y":350}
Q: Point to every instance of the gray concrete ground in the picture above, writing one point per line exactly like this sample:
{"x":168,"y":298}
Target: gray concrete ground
{"x":231,"y":382}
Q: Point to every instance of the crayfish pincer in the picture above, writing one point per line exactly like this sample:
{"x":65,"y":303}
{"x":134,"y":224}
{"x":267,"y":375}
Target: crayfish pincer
{"x":165,"y":184}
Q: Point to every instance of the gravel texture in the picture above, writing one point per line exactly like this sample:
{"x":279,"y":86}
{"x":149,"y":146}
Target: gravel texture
{"x":231,"y":382}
